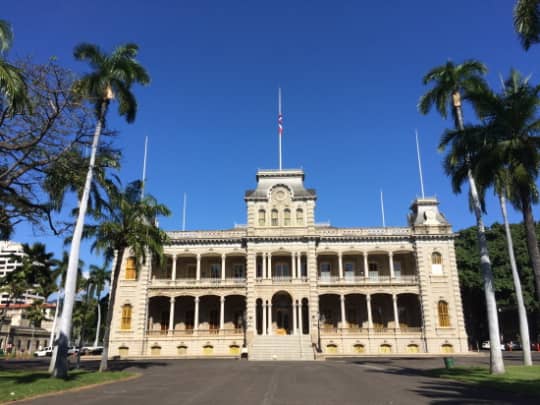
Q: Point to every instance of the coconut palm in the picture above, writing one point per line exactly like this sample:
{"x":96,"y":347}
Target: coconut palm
{"x":111,"y":76}
{"x":480,"y":145}
{"x":527,"y":22}
{"x":450,"y":82}
{"x":99,"y":277}
{"x":13,"y":88}
{"x":129,"y":226}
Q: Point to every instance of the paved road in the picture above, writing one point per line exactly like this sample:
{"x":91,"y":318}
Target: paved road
{"x":347,"y":381}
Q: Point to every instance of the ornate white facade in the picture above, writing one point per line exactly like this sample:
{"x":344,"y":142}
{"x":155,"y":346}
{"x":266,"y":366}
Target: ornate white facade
{"x":285,"y":287}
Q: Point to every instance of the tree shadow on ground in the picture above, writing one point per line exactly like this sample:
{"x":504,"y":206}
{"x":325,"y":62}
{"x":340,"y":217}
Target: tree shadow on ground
{"x":446,"y":391}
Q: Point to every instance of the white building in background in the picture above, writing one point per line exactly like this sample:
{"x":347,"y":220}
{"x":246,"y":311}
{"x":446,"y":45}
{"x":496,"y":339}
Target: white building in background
{"x":287,"y":288}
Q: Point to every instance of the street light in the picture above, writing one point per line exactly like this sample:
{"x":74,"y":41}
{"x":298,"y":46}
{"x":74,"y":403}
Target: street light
{"x":320,"y":318}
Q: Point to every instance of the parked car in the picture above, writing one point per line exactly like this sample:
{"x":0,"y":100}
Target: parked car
{"x":73,"y":350}
{"x":91,"y":350}
{"x":513,"y":345}
{"x":45,"y":352}
{"x":486,"y":345}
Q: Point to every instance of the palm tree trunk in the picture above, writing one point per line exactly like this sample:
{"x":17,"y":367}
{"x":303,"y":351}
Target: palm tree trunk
{"x":98,"y":325}
{"x":522,"y":313}
{"x":63,"y":337}
{"x":496,"y":364}
{"x":110,"y":310}
{"x":532,"y":240}
{"x":56,"y":310}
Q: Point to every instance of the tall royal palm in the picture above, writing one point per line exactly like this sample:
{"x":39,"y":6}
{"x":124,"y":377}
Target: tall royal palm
{"x":111,"y":77}
{"x":129,"y":225}
{"x":99,"y":277}
{"x":13,"y":88}
{"x":450,"y":83}
{"x":527,"y":22}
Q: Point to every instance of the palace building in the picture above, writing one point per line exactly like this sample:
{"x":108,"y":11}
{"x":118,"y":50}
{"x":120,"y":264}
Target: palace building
{"x":285,"y":287}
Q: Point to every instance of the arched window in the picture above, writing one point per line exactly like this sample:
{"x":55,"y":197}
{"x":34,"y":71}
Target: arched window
{"x":274,"y":218}
{"x":262,"y":217}
{"x":287,"y":217}
{"x":299,"y":216}
{"x":126,"y":317}
{"x":131,"y":268}
{"x":444,"y":317}
{"x":436,"y":264}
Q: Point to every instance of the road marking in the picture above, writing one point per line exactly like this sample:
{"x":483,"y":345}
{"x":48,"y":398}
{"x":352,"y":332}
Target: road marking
{"x":271,"y":389}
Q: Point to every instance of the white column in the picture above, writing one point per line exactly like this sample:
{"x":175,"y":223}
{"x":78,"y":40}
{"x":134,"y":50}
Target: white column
{"x":264,"y":324}
{"x":196,"y":317}
{"x":222,"y":314}
{"x":198,"y":276}
{"x":366,"y":266}
{"x":171,"y":317}
{"x":396,"y":313}
{"x":293,"y":265}
{"x":223,"y":262}
{"x":391,"y":260}
{"x":340,"y":264}
{"x":173,"y":273}
{"x":294,"y":310}
{"x":370,"y":318}
{"x":299,"y":264}
{"x":270,"y":266}
{"x":264,"y":265}
{"x":342,"y":302}
{"x":270,"y":332}
{"x":301,"y":326}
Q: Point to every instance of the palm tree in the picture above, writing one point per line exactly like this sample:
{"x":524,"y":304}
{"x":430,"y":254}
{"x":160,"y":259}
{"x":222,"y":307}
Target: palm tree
{"x":450,"y":81}
{"x":527,"y":22}
{"x":128,"y":226}
{"x":12,"y":85}
{"x":111,"y":75}
{"x":99,"y":277}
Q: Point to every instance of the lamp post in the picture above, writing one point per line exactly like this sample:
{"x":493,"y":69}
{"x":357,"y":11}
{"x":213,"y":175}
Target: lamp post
{"x":320,"y":318}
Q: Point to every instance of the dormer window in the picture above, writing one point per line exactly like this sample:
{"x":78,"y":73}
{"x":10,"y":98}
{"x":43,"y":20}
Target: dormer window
{"x":274,"y":217}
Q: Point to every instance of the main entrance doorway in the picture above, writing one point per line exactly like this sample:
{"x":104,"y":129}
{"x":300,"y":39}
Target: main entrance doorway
{"x":282,"y":313}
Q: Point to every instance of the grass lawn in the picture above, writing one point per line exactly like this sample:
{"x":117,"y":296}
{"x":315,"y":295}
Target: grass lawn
{"x":518,"y":379}
{"x":22,"y":384}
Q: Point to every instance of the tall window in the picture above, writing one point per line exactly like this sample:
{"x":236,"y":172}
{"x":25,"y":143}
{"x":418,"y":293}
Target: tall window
{"x":131,"y":268}
{"x":287,"y":217}
{"x":349,"y":270}
{"x":274,"y":218}
{"x":436,"y":264}
{"x":299,"y":216}
{"x":215,"y":270}
{"x":126,"y":317}
{"x":444,"y":317}
{"x":262,"y":217}
{"x":325,"y":269}
{"x":238,"y":270}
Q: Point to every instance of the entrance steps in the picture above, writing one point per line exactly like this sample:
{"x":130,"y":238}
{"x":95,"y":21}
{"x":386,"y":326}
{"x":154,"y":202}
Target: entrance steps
{"x":278,"y":347}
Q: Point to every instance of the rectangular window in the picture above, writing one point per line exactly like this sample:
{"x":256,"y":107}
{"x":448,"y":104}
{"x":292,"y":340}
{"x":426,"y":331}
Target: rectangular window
{"x":349,"y":270}
{"x":126,"y":317}
{"x":131,"y":268}
{"x":238,"y":271}
{"x":397,"y":269}
{"x":325,"y":269}
{"x":215,"y":270}
{"x":282,"y":270}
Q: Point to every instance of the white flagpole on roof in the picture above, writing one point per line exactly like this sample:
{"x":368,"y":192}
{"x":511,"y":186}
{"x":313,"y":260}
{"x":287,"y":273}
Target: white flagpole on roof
{"x":144,"y":166}
{"x":184,"y":213}
{"x":280,"y":126}
{"x":382,"y":210}
{"x":419,"y":164}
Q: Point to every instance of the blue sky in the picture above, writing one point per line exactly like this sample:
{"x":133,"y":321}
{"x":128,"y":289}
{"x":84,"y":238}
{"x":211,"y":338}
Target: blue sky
{"x":351,"y":78}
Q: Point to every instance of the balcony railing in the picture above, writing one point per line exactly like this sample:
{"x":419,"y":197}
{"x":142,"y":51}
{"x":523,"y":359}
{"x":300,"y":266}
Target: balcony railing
{"x":325,"y":330}
{"x":196,"y":332}
{"x":282,"y":279}
{"x":403,"y":279}
{"x":202,"y":282}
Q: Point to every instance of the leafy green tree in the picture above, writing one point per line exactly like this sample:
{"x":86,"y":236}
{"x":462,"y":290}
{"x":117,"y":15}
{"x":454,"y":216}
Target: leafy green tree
{"x":450,"y":81}
{"x":527,"y":22}
{"x":12,"y":84}
{"x":111,"y":76}
{"x":127,"y":228}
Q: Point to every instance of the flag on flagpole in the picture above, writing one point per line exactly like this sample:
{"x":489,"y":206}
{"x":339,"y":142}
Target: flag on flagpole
{"x":280,"y":124}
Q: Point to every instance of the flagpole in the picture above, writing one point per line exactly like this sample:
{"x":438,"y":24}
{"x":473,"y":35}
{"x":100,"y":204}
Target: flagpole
{"x":382,"y":210}
{"x":184,"y":213}
{"x":280,"y":126}
{"x":419,"y":164}
{"x":144,"y":166}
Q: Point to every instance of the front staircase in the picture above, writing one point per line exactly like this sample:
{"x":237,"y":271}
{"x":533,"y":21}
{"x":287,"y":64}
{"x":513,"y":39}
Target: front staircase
{"x":287,"y":347}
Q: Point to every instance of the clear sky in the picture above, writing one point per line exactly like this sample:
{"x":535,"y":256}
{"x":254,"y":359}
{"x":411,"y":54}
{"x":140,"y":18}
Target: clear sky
{"x":351,"y":78}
